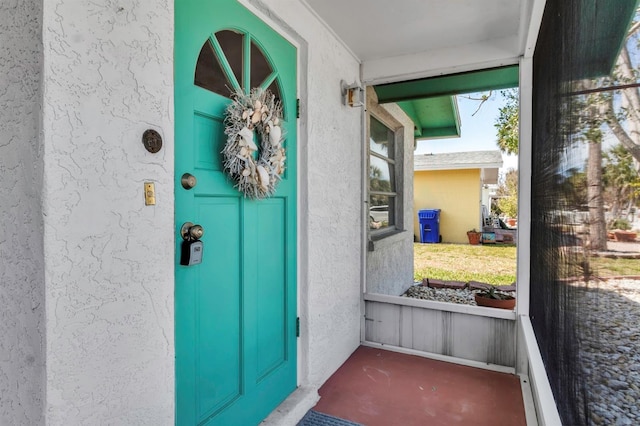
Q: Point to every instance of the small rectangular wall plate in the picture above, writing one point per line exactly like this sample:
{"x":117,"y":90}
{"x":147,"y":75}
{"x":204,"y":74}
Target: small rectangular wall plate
{"x":149,"y":194}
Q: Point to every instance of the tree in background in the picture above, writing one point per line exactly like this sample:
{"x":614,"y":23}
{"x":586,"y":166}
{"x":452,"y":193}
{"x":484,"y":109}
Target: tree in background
{"x":619,"y":110}
{"x":621,"y":180}
{"x":595,"y":190}
{"x":508,"y":194}
{"x":574,"y":188}
{"x":378,"y":183}
{"x":623,"y":111}
{"x":507,"y":122}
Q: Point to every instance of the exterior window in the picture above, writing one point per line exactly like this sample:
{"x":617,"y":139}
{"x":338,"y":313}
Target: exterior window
{"x":383,"y":185}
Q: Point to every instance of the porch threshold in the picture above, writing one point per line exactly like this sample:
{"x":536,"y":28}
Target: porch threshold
{"x":442,"y":306}
{"x":293,"y":409}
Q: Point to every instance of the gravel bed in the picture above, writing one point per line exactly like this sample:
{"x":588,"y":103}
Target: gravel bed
{"x":611,"y":352}
{"x":463,"y":297}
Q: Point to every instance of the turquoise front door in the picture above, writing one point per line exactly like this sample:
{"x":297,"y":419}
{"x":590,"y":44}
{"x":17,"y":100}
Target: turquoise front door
{"x":235,"y":324}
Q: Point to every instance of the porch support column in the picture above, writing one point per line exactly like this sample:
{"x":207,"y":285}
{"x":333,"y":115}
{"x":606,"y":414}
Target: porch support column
{"x":524,"y":209}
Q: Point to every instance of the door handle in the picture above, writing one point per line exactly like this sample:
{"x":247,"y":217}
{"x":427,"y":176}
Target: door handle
{"x":191,"y":248}
{"x":190,"y":231}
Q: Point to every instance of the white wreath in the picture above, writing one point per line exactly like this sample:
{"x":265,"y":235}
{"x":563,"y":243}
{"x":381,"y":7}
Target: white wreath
{"x":247,"y":115}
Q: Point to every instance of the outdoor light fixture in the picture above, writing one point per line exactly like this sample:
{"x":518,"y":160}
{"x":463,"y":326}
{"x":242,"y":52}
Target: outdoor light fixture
{"x":352,"y":94}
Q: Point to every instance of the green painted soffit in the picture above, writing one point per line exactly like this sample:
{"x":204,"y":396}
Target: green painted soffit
{"x":453,"y":84}
{"x":433,"y":117}
{"x":431,"y":104}
{"x":601,"y":34}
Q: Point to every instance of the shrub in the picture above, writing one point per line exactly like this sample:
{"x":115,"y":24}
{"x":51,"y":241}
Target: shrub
{"x":622,"y":224}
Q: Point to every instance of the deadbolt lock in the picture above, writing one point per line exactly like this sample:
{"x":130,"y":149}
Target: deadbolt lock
{"x":188,"y":181}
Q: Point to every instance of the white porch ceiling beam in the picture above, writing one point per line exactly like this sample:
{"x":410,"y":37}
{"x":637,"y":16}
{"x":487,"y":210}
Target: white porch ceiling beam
{"x":411,"y":39}
{"x":449,"y":60}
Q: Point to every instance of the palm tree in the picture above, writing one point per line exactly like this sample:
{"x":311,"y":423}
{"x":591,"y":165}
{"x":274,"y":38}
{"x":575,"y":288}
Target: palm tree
{"x":378,"y":184}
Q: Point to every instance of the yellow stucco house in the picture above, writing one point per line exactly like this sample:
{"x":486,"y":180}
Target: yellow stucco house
{"x":453,"y":183}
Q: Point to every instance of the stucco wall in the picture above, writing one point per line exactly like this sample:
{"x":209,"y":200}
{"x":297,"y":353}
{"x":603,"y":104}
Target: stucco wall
{"x":390,"y":264}
{"x":329,"y":194}
{"x":108,"y":77}
{"x":21,"y":246}
{"x":109,"y":258}
{"x":457,"y":193}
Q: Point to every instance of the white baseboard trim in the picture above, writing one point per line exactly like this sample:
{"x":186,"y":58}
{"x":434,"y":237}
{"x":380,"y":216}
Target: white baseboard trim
{"x":529,"y":403}
{"x":438,"y":357}
{"x":546,"y":409}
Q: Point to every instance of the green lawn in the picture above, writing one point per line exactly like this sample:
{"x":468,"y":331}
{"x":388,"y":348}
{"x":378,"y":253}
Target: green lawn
{"x":605,"y":267}
{"x":494,"y":264}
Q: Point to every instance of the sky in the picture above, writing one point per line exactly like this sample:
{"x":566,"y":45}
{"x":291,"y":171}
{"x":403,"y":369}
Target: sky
{"x":477,"y":132}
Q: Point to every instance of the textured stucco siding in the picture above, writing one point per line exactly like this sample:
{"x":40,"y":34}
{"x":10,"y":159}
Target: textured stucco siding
{"x":21,"y":245}
{"x":457,"y":193}
{"x":106,"y":259}
{"x":334,"y":220}
{"x":330,"y":197}
{"x":390,"y":264}
{"x":329,"y":192}
{"x":108,"y":77}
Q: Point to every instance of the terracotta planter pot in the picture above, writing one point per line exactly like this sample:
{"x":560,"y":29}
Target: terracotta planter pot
{"x":511,"y":222}
{"x":624,"y":236}
{"x":474,"y":237}
{"x":495,"y":303}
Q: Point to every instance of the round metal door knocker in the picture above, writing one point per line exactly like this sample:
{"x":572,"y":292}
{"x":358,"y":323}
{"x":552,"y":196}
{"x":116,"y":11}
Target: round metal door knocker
{"x":152,"y":141}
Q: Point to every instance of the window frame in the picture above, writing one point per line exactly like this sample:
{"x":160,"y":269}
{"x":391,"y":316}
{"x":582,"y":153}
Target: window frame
{"x":397,"y":130}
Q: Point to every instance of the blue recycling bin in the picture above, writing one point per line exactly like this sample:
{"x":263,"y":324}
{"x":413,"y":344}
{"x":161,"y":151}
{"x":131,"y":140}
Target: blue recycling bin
{"x":429,"y":225}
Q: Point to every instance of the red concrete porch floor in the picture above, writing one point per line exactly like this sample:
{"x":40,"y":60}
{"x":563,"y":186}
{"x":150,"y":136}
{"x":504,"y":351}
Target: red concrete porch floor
{"x":381,"y":388}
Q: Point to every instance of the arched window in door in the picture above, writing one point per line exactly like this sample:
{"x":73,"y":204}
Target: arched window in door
{"x":231,"y":60}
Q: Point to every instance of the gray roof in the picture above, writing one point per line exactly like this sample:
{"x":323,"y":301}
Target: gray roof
{"x":458,"y":160}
